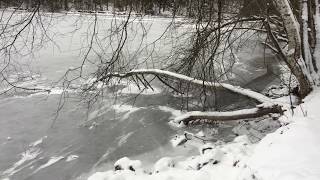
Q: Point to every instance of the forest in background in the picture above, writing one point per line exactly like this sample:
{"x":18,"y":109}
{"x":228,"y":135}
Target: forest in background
{"x":187,"y":8}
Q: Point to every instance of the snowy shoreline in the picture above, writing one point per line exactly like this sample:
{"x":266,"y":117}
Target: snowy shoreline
{"x":291,"y":152}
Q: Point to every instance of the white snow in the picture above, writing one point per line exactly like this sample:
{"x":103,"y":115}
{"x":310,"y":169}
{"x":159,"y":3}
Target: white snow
{"x":38,"y":142}
{"x":200,"y":134}
{"x":293,"y":151}
{"x":50,"y":162}
{"x":72,"y":157}
{"x":209,"y":165}
{"x":93,"y":125}
{"x":164,"y":164}
{"x":127,"y":164}
{"x":124,"y":108}
{"x":290,"y":153}
{"x":123,"y":139}
{"x":179,"y":140}
{"x":186,"y":115}
{"x":30,"y":154}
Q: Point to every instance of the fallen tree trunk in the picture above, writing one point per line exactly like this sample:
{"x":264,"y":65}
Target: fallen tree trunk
{"x":268,"y":105}
{"x":157,"y":72}
{"x":256,"y":112}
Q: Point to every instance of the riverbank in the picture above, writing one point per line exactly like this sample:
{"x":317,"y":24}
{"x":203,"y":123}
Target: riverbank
{"x":292,"y":152}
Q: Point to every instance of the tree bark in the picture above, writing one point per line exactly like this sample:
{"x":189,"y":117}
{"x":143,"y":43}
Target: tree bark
{"x":295,"y":59}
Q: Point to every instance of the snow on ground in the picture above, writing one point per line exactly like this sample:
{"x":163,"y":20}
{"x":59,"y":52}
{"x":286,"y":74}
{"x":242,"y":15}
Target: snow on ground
{"x":179,"y":140}
{"x":290,"y":153}
{"x":293,"y":151}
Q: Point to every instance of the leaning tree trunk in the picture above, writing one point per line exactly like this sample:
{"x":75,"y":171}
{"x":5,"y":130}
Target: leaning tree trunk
{"x":295,"y":59}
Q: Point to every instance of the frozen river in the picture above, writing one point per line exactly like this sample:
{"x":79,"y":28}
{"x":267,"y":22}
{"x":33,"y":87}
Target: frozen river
{"x":36,"y":145}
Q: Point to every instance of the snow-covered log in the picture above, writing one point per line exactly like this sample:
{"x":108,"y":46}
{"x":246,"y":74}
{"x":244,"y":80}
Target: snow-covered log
{"x":268,"y":106}
{"x":258,"y":111}
{"x":157,"y":72}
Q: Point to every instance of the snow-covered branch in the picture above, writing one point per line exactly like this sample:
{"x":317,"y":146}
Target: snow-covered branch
{"x":158,"y":72}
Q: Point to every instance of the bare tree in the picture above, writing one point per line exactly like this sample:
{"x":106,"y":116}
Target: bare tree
{"x":199,"y":62}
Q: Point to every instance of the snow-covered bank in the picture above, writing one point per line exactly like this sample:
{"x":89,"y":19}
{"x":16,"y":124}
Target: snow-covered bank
{"x":292,"y":152}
